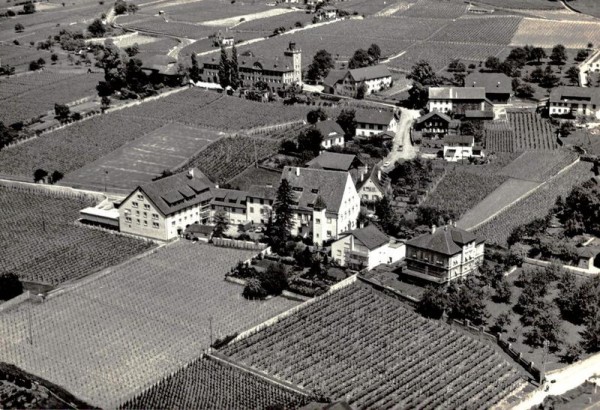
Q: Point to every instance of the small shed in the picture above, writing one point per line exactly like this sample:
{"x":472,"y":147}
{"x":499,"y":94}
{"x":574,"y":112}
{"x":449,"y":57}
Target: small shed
{"x":198,"y":232}
{"x":586,"y":257}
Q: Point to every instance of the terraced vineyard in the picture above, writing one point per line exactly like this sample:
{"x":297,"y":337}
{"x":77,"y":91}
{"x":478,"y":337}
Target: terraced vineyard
{"x":485,"y":30}
{"x":343,"y":345}
{"x":531,"y":132}
{"x":207,"y":383}
{"x":499,"y":136}
{"x":538,"y":166}
{"x":534,"y":206}
{"x":41,"y":242}
{"x":434,"y":9}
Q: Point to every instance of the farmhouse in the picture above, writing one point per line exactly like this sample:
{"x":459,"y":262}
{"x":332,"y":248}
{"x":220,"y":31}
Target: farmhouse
{"x":366,"y":248}
{"x":334,"y":161}
{"x":333,"y":78}
{"x":162,"y":209}
{"x":461,"y":147}
{"x":373,"y":78}
{"x":326,"y":202}
{"x":259,"y":203}
{"x":445,"y":254}
{"x":575,"y":101}
{"x":458,"y":100}
{"x":590,"y":65}
{"x":498,"y":86}
{"x":373,"y":185}
{"x":436,"y":124}
{"x":333,"y":134}
{"x":372,"y":122}
{"x":162,"y":66}
{"x":275,"y":73}
{"x":326,"y":13}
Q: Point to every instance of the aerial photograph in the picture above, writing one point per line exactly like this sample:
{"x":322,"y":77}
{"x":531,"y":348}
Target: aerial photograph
{"x":300,"y":204}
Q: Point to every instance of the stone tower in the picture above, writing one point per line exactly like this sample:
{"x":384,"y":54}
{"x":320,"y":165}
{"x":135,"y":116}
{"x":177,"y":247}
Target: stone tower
{"x":295,"y":55}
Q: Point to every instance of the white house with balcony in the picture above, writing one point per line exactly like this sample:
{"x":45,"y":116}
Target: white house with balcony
{"x":366,"y":248}
{"x":461,"y":147}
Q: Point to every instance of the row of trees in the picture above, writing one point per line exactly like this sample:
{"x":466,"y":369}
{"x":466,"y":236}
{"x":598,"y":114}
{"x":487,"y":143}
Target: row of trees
{"x":323,"y":63}
{"x":229,"y":72}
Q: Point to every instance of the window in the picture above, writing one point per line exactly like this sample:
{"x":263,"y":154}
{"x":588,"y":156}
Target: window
{"x":173,"y":223}
{"x":137,"y":221}
{"x":318,"y":220}
{"x":154,"y":216}
{"x":328,"y":234}
{"x":134,"y":204}
{"x":146,"y":206}
{"x":252,"y":209}
{"x":155,"y":225}
{"x":128,"y":219}
{"x":140,"y":197}
{"x":137,"y":213}
{"x":145,"y":223}
{"x":145,"y":214}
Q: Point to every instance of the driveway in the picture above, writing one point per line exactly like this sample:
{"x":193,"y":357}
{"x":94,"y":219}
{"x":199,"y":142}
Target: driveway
{"x":409,"y":151}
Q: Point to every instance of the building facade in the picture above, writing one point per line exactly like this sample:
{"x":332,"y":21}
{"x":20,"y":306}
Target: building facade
{"x":575,"y":101}
{"x":372,"y":122}
{"x":372,"y":78}
{"x":333,"y":134}
{"x":461,"y":147}
{"x":457,"y":99}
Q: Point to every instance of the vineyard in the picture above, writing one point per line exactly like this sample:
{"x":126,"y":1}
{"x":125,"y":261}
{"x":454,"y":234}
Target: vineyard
{"x":490,"y":30}
{"x":536,"y":205}
{"x":210,"y":384}
{"x":499,"y":136}
{"x":548,"y":33}
{"x":531,"y":132}
{"x":459,"y":191}
{"x":228,"y":157}
{"x":343,"y":343}
{"x":29,"y":96}
{"x":148,"y":318}
{"x":524,"y":4}
{"x":172,"y":28}
{"x":267,"y":25}
{"x":434,"y":9}
{"x":538,"y":166}
{"x":41,"y":242}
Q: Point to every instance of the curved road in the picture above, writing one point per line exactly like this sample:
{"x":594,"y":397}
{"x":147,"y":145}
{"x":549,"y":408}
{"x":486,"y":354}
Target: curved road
{"x":409,"y":151}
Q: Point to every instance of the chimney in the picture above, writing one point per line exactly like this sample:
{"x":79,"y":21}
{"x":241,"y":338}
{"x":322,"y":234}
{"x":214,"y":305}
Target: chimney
{"x":297,"y":171}
{"x":433,"y":228}
{"x":361,"y":224}
{"x":498,"y":85}
{"x":190,"y":173}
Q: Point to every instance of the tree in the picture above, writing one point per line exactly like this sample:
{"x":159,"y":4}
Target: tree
{"x":492,"y":63}
{"x":582,"y":55}
{"x":386,"y":215}
{"x":54,"y":57}
{"x":10,"y":286}
{"x":374,"y":53}
{"x":568,"y":291}
{"x":572,"y":75}
{"x":503,"y":291}
{"x":28,"y":8}
{"x":549,"y":80}
{"x":310,"y":141}
{"x":502,"y":322}
{"x":537,"y":54}
{"x":221,"y":223}
{"x":571,"y":354}
{"x":120,"y":7}
{"x":132,"y":8}
{"x":590,"y":337}
{"x":33,"y":66}
{"x":7,"y":135}
{"x":517,"y":57}
{"x":321,"y":65}
{"x":566,"y":128}
{"x":195,"y":69}
{"x":61,"y":112}
{"x":360,"y":59}
{"x":254,"y":289}
{"x":418,"y":95}
{"x":56,"y":176}
{"x":347,"y":122}
{"x":133,"y":50}
{"x":19,"y":27}
{"x":361,"y":91}
{"x":423,"y":73}
{"x":457,"y":66}
{"x":224,"y":69}
{"x":524,"y":91}
{"x":559,"y":54}
{"x":39,"y":174}
{"x":283,"y":222}
{"x":234,"y":69}
{"x":97,"y":28}
{"x":468,"y":301}
{"x":433,"y":302}
{"x":546,"y":327}
{"x":316,"y":115}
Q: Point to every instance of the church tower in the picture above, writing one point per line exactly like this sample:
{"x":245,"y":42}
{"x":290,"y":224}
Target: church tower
{"x":296,"y":57}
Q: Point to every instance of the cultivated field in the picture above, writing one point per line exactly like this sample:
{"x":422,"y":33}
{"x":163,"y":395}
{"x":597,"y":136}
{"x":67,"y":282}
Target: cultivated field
{"x":227,"y":157}
{"x":538,"y":166}
{"x":342,"y":345}
{"x":208,"y":383}
{"x":27,"y":96}
{"x":109,"y":338}
{"x":142,"y":159}
{"x":503,"y":196}
{"x":172,"y":28}
{"x":484,"y":30}
{"x":473,"y":188}
{"x":524,"y":4}
{"x":547,"y":33}
{"x":20,"y":56}
{"x":435,"y":9}
{"x":523,"y":131}
{"x":267,"y":25}
{"x":41,"y":243}
{"x":537,"y":205}
{"x":591,"y":7}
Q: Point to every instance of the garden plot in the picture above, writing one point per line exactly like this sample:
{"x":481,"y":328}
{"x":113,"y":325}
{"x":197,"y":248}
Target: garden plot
{"x":143,"y":159}
{"x":111,"y":337}
{"x":548,"y":33}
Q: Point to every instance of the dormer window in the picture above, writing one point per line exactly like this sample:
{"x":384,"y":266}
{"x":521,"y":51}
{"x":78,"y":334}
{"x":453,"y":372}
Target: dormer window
{"x":314,"y":191}
{"x":298,"y":189}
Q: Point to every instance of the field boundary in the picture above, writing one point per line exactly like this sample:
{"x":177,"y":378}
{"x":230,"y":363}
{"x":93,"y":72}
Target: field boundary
{"x":52,"y":189}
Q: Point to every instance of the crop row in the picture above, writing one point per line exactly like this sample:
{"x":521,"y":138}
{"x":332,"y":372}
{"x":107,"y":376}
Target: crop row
{"x":534,"y":206}
{"x":531,"y":132}
{"x":434,"y":9}
{"x":538,"y":166}
{"x":41,"y":242}
{"x":484,"y":30}
{"x":209,"y":384}
{"x":548,"y":33}
{"x":362,"y":346}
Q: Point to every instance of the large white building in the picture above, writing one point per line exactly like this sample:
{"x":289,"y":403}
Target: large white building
{"x":575,"y":101}
{"x":372,"y":78}
{"x":366,"y":248}
{"x":461,"y":147}
{"x":373,"y":122}
{"x":458,"y":99}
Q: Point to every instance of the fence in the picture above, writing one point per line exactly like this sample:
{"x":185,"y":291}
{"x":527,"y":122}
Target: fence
{"x":47,"y":189}
{"x":276,"y":127}
{"x":236,"y":243}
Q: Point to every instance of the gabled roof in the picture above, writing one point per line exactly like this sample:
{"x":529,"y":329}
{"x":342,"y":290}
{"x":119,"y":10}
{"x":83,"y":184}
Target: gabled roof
{"x":374,"y":176}
{"x":575,"y":94}
{"x":329,"y":129}
{"x":329,"y":185}
{"x":447,"y":240}
{"x":258,"y":64}
{"x":456,"y":93}
{"x":374,"y":116}
{"x":369,"y":73}
{"x":334,"y":77}
{"x":370,"y":237}
{"x":263,"y":192}
{"x":434,"y":114}
{"x":459,"y":139}
{"x":332,"y":161}
{"x":494,"y":83}
{"x":177,"y":192}
{"x":161,"y":63}
{"x":229,"y":197}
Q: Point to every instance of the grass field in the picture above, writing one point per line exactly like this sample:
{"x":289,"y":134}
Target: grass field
{"x":343,"y":345}
{"x":548,"y":33}
{"x":538,"y":166}
{"x":210,"y":383}
{"x":20,"y":56}
{"x":109,"y":338}
{"x":142,"y":159}
{"x":27,"y":96}
{"x":537,"y":205}
{"x":41,"y":243}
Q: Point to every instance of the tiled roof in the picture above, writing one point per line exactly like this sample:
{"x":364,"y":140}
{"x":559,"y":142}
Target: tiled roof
{"x":434,"y":114}
{"x":459,"y":139}
{"x":370,"y":236}
{"x":334,"y":77}
{"x":447,"y":240}
{"x":261,"y":191}
{"x":575,"y":94}
{"x":382,"y":117}
{"x":177,"y":192}
{"x":494,"y":83}
{"x":162,"y":63}
{"x":329,"y":129}
{"x":456,"y":93}
{"x":332,"y":161}
{"x":479,"y":114}
{"x":229,"y":197}
{"x":329,"y":185}
{"x":370,"y":73}
{"x":254,"y":63}
{"x":374,"y":176}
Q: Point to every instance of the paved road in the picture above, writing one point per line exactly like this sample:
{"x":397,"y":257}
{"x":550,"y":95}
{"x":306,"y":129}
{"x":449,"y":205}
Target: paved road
{"x":409,"y":151}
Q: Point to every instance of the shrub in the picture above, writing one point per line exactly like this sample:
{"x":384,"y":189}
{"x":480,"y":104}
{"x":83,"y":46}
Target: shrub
{"x":254,"y":289}
{"x":10,"y":286}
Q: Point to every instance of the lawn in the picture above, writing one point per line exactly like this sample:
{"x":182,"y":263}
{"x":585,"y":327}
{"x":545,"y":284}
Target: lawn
{"x":143,"y":159}
{"x":41,"y":242}
{"x":148,"y":318}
